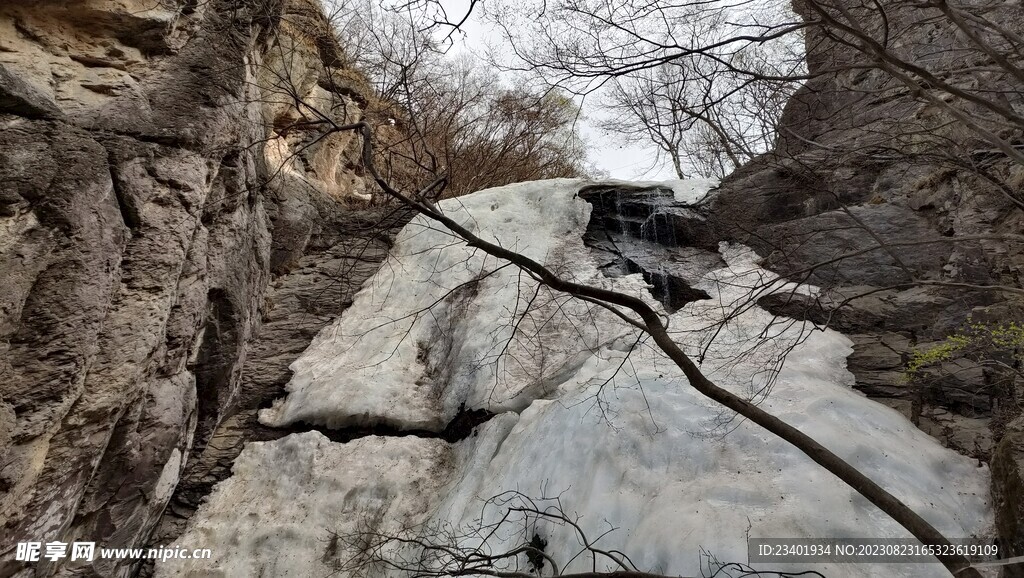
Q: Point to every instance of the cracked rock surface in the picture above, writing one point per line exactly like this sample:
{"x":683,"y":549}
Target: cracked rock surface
{"x":160,"y":269}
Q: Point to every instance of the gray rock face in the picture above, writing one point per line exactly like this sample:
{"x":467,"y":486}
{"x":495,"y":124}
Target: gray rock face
{"x":899,"y":233}
{"x":1008,"y":493}
{"x":890,"y":225}
{"x":346,"y":249}
{"x":158,"y":229}
{"x":644,"y":230}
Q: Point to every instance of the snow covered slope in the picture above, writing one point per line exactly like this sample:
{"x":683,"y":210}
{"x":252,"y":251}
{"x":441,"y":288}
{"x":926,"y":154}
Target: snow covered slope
{"x":591,"y":414}
{"x":431,"y":331}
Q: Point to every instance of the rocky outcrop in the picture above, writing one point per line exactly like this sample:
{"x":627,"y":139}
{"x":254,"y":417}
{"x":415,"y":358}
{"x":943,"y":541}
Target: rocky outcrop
{"x":862,"y":162}
{"x":645,"y":230}
{"x":866,"y":177}
{"x":1008,"y":493}
{"x":346,"y":249}
{"x":171,"y":235}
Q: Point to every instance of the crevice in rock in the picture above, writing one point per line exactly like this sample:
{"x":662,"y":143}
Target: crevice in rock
{"x":214,"y":364}
{"x":224,"y":192}
{"x":167,"y":140}
{"x":129,"y":214}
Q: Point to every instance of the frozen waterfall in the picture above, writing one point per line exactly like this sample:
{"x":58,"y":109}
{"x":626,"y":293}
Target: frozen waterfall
{"x":585,"y":410}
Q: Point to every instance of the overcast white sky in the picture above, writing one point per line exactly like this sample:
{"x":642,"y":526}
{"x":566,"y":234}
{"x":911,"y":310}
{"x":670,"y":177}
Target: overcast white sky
{"x":605,"y":152}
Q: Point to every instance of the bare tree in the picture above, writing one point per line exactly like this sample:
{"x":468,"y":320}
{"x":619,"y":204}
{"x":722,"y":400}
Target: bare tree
{"x":585,"y":45}
{"x":700,"y":113}
{"x":452,"y":115}
{"x":507,"y":539}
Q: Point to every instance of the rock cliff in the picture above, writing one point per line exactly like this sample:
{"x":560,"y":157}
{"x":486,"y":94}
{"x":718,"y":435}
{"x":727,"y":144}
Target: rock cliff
{"x":862,"y":162}
{"x":170,"y":238}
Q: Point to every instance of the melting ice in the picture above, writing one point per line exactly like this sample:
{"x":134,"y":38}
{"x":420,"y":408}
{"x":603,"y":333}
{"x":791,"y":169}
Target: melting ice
{"x":586,"y":410}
